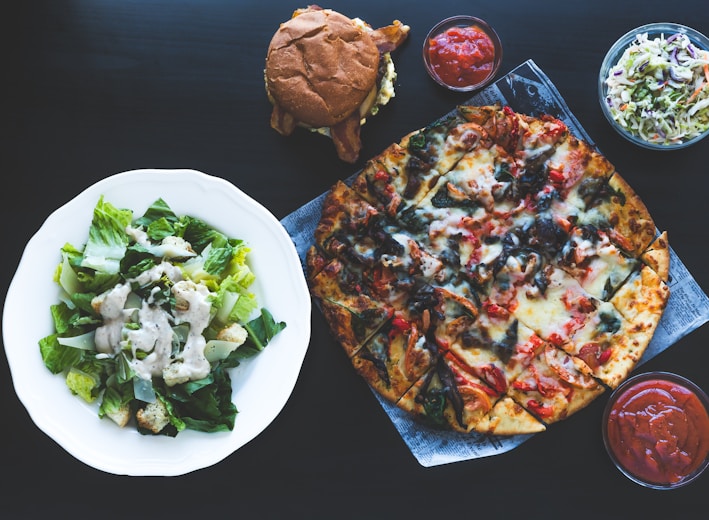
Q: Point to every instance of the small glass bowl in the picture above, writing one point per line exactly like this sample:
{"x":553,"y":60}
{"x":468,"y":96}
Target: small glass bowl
{"x":463,"y":21}
{"x":611,"y":59}
{"x":613,"y":450}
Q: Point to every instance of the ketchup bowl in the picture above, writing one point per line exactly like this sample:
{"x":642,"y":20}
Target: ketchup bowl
{"x":656,"y":430}
{"x":462,"y":53}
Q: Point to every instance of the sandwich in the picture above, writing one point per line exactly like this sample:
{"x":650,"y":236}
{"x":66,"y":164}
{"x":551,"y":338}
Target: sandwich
{"x":328,"y":73}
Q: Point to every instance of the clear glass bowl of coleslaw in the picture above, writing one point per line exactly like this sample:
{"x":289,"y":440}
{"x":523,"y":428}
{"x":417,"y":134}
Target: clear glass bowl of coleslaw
{"x":653,"y":86}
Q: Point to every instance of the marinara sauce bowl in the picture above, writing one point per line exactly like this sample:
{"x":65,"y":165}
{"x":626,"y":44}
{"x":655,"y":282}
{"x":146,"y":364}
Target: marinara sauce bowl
{"x":462,"y":53}
{"x":656,"y":430}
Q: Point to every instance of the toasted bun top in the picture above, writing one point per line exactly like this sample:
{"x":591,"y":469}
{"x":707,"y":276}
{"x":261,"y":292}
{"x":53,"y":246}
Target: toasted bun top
{"x":320,"y":67}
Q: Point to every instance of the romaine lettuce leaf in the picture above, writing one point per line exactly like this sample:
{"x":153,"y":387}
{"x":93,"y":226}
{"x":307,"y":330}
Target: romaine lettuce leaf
{"x":83,"y":384}
{"x":56,"y":357}
{"x":205,"y":405}
{"x":158,"y":210}
{"x":108,"y":239}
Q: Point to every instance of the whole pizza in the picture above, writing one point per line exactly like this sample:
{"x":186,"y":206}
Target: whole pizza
{"x":490,"y":272}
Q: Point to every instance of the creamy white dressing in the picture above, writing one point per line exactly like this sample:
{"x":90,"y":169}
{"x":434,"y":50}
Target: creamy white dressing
{"x":155,"y":273}
{"x":111,"y":307}
{"x":193,"y":307}
{"x":155,"y":334}
{"x":170,"y":247}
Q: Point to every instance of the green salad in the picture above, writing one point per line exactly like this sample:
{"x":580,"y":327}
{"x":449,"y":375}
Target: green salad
{"x":152,"y":314}
{"x":659,"y":89}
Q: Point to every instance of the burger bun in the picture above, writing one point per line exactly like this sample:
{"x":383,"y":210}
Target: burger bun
{"x":320,"y":67}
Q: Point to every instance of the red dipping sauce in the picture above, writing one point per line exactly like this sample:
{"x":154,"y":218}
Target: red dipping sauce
{"x":462,"y":56}
{"x":656,"y":429}
{"x":462,"y":53}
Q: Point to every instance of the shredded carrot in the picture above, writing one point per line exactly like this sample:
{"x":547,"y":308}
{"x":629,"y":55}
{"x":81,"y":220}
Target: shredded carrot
{"x":696,"y":92}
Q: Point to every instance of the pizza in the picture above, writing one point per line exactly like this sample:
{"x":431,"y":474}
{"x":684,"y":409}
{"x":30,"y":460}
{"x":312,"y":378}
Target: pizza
{"x":490,"y":272}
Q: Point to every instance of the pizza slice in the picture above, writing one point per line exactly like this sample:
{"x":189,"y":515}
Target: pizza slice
{"x":591,"y":258}
{"x":347,"y":225}
{"x":442,"y":143}
{"x":551,"y":302}
{"x":402,"y":174}
{"x":642,"y":299}
{"x":488,"y":340}
{"x":490,"y":178}
{"x":395,"y":357}
{"x":552,"y":387}
{"x":507,"y":417}
{"x":616,"y":335}
{"x":514,"y":131}
{"x":394,"y":179}
{"x":354,"y":231}
{"x":608,"y":345}
{"x":618,"y":210}
{"x":450,"y":397}
{"x":352,"y":314}
{"x":578,"y":173}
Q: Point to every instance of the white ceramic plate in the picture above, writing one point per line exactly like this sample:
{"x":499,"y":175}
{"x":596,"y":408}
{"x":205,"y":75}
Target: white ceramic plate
{"x":261,"y":385}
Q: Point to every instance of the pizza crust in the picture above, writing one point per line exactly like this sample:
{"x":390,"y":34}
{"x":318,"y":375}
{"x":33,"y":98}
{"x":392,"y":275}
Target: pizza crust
{"x":657,"y":256}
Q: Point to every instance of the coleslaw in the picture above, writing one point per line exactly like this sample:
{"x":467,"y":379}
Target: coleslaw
{"x":659,"y":89}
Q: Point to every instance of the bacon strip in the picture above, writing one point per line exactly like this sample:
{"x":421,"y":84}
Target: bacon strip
{"x":282,"y":121}
{"x":345,"y":135}
{"x":390,"y":37}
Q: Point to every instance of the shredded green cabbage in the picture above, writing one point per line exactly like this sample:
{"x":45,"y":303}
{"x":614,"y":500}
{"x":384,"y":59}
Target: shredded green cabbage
{"x":659,"y":89}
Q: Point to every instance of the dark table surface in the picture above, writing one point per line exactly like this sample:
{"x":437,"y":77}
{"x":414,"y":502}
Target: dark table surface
{"x":97,"y":87}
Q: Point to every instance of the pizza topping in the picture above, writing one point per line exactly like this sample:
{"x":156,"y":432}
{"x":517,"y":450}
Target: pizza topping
{"x":543,"y":411}
{"x":417,"y":352}
{"x":494,"y":377}
{"x":547,"y":384}
{"x":561,"y":363}
{"x":447,"y":294}
{"x":496,"y":311}
{"x":547,"y":235}
{"x":594,"y":355}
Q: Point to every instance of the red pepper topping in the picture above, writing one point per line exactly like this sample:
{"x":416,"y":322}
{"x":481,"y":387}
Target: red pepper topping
{"x":539,"y":409}
{"x":494,"y":377}
{"x":556,"y":176}
{"x":495,"y":311}
{"x":381,"y":175}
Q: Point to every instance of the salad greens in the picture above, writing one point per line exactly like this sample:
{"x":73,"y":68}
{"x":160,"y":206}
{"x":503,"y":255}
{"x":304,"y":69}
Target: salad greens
{"x":152,"y":314}
{"x":659,"y":89}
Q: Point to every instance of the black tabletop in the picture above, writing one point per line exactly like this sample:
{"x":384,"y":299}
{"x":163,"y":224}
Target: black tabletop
{"x":96,"y":87}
